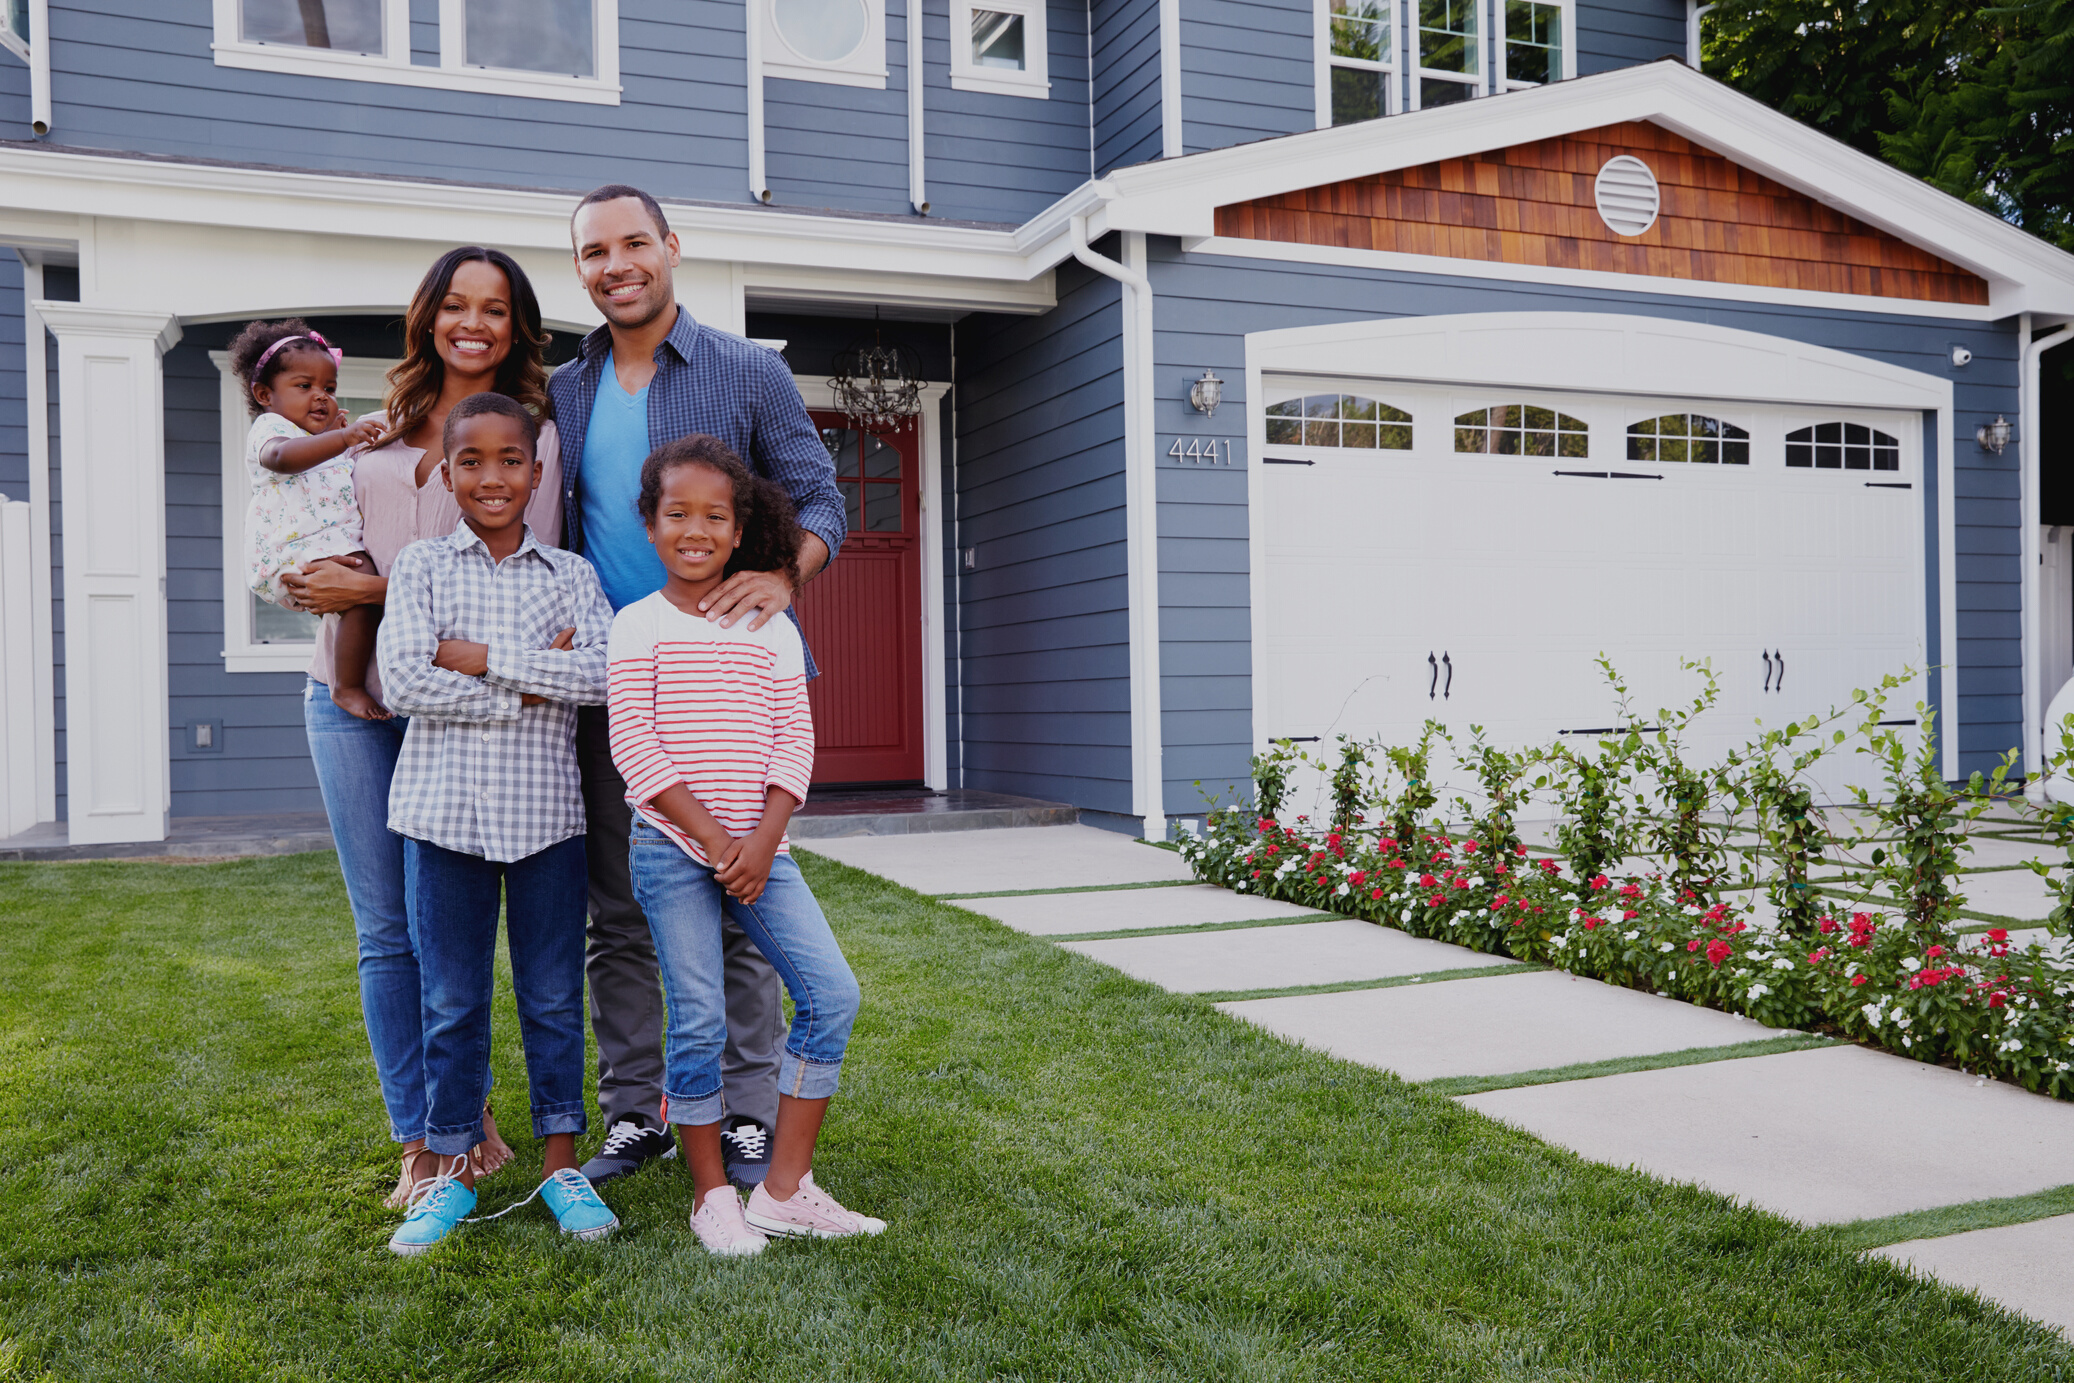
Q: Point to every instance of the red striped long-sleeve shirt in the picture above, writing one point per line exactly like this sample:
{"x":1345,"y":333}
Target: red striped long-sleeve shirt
{"x":722,"y":711}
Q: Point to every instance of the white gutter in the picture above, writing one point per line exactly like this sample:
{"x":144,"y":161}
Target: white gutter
{"x":2037,"y":749}
{"x":917,"y":76}
{"x":1694,"y":13}
{"x":1170,"y":79}
{"x":1141,"y":522}
{"x":39,"y":67}
{"x":759,"y":185}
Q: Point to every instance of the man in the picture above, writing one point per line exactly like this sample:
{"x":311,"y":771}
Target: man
{"x":648,"y":376}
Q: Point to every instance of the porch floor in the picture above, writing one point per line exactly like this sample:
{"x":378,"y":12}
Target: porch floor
{"x":833,"y":812}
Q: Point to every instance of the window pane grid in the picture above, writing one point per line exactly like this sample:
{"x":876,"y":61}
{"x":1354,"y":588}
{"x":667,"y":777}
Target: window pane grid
{"x":1519,"y":429}
{"x":1680,"y":437}
{"x":1843,"y":447}
{"x":867,"y":472}
{"x":1533,"y":42}
{"x":1339,"y":420}
{"x":997,"y":40}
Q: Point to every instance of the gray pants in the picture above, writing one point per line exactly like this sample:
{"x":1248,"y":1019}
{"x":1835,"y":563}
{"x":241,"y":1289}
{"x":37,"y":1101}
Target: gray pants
{"x":626,"y":996}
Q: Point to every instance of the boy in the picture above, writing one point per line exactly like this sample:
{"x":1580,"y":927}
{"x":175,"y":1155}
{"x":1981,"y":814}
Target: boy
{"x":489,"y":642}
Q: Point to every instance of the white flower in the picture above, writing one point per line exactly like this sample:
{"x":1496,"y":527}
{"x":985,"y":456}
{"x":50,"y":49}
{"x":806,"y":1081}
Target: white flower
{"x":1782,"y":964}
{"x":1872,"y":1014}
{"x":1758,"y":991}
{"x":1630,"y":934}
{"x":1902,"y":1020}
{"x":1911,"y":963}
{"x":1667,"y":946}
{"x":1342,"y":891}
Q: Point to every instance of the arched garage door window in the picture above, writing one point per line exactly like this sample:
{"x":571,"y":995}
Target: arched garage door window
{"x":1338,"y":420}
{"x":1688,"y":437}
{"x":1521,"y":429}
{"x":1843,"y":446}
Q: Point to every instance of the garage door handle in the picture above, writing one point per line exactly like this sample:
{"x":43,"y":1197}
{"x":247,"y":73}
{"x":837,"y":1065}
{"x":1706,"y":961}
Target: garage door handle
{"x":1632,"y":475}
{"x":1586,"y":475}
{"x":1449,"y":689}
{"x":1767,"y":669}
{"x":1888,"y":485}
{"x":1782,"y":670}
{"x":1285,"y":461}
{"x":1434,"y":680}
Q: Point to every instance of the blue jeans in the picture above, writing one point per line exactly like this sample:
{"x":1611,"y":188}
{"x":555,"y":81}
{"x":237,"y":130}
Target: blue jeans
{"x":685,"y":906}
{"x":453,"y":919}
{"x":355,"y":759}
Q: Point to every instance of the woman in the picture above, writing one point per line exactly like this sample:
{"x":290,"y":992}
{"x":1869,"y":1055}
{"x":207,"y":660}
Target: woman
{"x":473,"y":326}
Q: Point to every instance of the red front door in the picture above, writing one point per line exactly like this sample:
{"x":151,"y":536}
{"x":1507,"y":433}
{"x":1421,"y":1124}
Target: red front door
{"x":863,"y":616}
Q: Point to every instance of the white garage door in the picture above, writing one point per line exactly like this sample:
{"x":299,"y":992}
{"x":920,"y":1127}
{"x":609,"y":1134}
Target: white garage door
{"x":1465,"y":553}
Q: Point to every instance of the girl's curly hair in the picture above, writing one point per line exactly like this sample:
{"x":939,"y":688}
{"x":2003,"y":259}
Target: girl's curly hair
{"x":770,"y":530}
{"x":253,"y":342}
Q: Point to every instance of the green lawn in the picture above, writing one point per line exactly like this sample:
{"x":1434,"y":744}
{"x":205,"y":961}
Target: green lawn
{"x":1086,"y":1178}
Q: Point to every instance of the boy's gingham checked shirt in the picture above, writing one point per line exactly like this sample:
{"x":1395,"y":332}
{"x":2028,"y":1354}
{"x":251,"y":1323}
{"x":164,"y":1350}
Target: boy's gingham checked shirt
{"x":481,"y":774}
{"x":724,"y":386}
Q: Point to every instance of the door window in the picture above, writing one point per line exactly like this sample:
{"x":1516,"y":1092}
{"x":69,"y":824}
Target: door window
{"x":867,"y":471}
{"x":1521,"y":429}
{"x":1688,"y":437}
{"x":1843,"y":447}
{"x":1338,"y":420}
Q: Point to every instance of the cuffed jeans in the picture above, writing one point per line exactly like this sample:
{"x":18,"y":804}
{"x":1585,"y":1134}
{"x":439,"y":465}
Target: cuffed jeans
{"x":355,"y":759}
{"x":685,"y":906}
{"x":453,"y":917}
{"x":626,"y":1000}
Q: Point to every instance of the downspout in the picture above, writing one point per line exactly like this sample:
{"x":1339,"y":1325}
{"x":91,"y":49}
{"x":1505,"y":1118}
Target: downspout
{"x":1170,"y":144}
{"x":39,"y":67}
{"x":2037,"y":750}
{"x":917,"y":76}
{"x":759,"y":186}
{"x":1694,"y":13}
{"x":1141,"y":522}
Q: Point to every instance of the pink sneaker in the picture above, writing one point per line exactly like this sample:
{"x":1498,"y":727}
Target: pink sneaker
{"x":718,"y":1223}
{"x":811,"y":1214}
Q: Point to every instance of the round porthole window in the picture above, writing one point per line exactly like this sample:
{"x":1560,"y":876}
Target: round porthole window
{"x":1627,"y":195}
{"x":821,"y":30}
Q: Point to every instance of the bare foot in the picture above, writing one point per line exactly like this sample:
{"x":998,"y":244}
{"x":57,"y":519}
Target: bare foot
{"x":356,"y":702}
{"x":416,"y":1164}
{"x":493,"y":1152}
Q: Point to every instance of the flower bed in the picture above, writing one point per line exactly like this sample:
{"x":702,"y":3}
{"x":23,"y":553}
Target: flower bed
{"x":1916,"y":989}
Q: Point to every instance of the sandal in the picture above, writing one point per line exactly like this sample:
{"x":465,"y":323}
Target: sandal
{"x":399,"y":1198}
{"x":492,"y":1154}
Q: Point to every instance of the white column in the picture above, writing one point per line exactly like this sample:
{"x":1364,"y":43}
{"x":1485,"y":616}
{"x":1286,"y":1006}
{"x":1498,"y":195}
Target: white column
{"x":113,"y":479}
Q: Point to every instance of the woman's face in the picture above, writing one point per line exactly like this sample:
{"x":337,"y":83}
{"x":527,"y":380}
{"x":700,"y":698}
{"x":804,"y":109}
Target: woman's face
{"x":473,"y":327}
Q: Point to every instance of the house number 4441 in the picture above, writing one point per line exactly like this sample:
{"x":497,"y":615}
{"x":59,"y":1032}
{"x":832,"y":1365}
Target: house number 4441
{"x":1196,"y":452}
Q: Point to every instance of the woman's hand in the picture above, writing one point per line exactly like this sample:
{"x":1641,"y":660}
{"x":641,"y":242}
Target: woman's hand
{"x":333,"y":585}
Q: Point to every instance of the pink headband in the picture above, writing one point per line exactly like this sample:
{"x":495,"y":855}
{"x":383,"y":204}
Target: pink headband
{"x":338,"y":357}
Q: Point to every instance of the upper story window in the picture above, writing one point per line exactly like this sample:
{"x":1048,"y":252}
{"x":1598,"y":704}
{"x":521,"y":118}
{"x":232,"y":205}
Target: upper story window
{"x":838,"y":41}
{"x":1338,"y":420}
{"x":999,"y":46}
{"x":1521,"y":429}
{"x":1843,"y":447}
{"x":1532,"y":52}
{"x":559,"y":50}
{"x":14,"y":26}
{"x":1446,"y":49}
{"x":1688,"y":437}
{"x":1362,"y":58}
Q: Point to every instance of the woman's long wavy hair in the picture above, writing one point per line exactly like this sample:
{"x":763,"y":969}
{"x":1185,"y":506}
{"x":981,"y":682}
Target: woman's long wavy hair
{"x":415,"y":381}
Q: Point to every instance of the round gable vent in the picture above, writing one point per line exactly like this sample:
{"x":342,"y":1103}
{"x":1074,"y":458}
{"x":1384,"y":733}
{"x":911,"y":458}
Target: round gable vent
{"x":1627,"y":195}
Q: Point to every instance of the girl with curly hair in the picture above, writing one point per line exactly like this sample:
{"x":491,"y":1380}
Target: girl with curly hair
{"x":711,"y":730}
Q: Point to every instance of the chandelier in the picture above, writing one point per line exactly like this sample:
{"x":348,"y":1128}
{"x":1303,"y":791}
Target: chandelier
{"x":878,"y":385}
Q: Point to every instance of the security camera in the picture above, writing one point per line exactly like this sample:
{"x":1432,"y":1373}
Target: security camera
{"x":1961,"y":356}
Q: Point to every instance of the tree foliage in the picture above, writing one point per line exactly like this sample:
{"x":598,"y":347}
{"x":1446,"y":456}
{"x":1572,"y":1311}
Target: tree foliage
{"x":1976,"y":97}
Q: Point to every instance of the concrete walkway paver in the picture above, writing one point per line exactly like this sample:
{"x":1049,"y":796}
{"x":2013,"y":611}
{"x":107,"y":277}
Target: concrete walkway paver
{"x":1823,"y":1136}
{"x":2028,"y":1268}
{"x":1114,"y":910}
{"x":1494,"y":1027}
{"x":1279,"y":957}
{"x":1020,"y":857}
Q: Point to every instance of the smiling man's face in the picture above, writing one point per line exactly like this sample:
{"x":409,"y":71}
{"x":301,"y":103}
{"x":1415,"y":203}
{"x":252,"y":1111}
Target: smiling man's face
{"x":624,"y":262}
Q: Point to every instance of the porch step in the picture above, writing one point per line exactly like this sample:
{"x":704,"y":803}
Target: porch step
{"x":187,"y":837}
{"x":900,"y":812}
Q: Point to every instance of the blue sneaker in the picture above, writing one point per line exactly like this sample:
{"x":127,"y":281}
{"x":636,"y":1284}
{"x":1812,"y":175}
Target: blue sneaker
{"x":576,"y":1205}
{"x":433,"y":1215}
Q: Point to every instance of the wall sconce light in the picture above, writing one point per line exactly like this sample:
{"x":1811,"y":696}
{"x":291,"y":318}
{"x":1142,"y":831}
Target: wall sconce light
{"x":1993,"y":436}
{"x":1206,"y":393}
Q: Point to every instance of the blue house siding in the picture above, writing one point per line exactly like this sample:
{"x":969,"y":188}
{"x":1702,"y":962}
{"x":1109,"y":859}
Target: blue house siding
{"x":14,"y":385}
{"x":1006,"y":158}
{"x":1247,"y":71}
{"x":1621,"y":33}
{"x":138,"y":75}
{"x":1206,"y":304}
{"x":1044,"y":617}
{"x":1127,"y":82}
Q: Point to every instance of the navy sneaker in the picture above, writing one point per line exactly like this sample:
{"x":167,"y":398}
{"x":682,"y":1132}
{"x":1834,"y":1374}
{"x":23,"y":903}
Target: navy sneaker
{"x":629,"y":1147}
{"x":746,"y":1144}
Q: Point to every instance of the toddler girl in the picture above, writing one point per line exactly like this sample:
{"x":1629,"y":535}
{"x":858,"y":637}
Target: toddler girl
{"x":711,"y":730}
{"x":302,"y":506}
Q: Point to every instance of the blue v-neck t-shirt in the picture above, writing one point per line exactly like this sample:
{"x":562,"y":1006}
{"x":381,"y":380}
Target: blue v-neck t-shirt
{"x":614,"y":538}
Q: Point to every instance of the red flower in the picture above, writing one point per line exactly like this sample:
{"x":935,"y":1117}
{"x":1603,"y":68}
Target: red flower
{"x":1826,"y":925}
{"x":1590,"y":922}
{"x":1599,"y":881}
{"x":1377,"y":894}
{"x":1857,"y":980}
{"x":1428,"y":881}
{"x":1461,"y":883}
{"x":1630,"y":891}
{"x":1817,"y":957}
{"x":1995,"y":1001}
{"x":1934,"y":951}
{"x":1520,"y":850}
{"x":1468,"y":847}
{"x":1358,"y":877}
{"x":1998,"y":935}
{"x":1692,"y":945}
{"x":1628,"y":915}
{"x":1435,"y":901}
{"x":1274,"y":849}
{"x":1718,"y":951}
{"x":1256,"y":873}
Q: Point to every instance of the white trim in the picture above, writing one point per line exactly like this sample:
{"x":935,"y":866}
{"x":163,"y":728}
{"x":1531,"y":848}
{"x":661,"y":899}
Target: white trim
{"x":13,"y":42}
{"x":1171,"y":141}
{"x":1582,"y":278}
{"x":1566,"y":49}
{"x":917,"y":77}
{"x":1035,"y":78}
{"x":394,"y":66}
{"x":111,"y":400}
{"x":1323,"y":61}
{"x":36,"y":393}
{"x":863,"y":66}
{"x":1416,"y":72}
{"x":357,"y":378}
{"x":815,"y":393}
{"x":2037,"y":749}
{"x":1604,"y":353}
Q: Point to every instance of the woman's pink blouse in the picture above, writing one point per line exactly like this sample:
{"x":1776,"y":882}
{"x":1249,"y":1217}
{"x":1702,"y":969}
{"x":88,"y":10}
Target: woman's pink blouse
{"x":396,"y":511}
